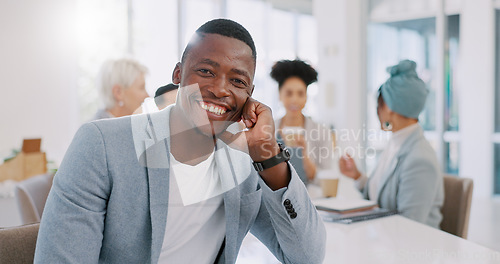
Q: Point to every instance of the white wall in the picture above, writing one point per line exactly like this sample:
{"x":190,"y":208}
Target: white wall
{"x":477,"y":80}
{"x":155,"y":40}
{"x":37,"y":75}
{"x":341,"y":67}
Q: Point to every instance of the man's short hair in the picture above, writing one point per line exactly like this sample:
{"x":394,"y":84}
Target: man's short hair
{"x":159,"y":100}
{"x":224,"y":27}
{"x":165,"y":89}
{"x":121,"y":72}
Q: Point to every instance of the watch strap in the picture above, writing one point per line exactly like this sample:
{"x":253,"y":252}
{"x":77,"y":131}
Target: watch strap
{"x":283,"y":156}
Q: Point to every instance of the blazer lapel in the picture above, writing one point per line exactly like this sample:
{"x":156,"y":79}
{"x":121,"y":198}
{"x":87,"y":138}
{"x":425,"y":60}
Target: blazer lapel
{"x":228,"y":174}
{"x":157,"y":159}
{"x":232,"y":216}
{"x":404,"y":148}
{"x":158,"y":179}
{"x":385,"y":178}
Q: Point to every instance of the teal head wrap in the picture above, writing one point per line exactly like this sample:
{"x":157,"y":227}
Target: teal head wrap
{"x":404,"y":92}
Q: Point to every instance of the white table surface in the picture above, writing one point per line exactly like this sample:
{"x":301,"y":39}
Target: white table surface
{"x":393,"y":239}
{"x":396,"y":239}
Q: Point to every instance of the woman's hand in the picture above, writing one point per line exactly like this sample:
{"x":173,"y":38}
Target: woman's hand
{"x":348,"y":167}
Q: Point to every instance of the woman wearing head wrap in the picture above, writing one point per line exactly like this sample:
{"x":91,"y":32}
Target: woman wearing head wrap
{"x":407,"y":177}
{"x":311,"y":144}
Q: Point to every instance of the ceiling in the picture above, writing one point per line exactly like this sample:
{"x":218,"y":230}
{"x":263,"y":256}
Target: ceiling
{"x":300,"y":6}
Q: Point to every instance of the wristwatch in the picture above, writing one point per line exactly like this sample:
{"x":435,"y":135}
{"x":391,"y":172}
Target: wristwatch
{"x":283,"y":156}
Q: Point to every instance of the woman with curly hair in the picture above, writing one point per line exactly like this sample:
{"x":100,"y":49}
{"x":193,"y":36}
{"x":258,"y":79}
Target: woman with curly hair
{"x":311,"y":143}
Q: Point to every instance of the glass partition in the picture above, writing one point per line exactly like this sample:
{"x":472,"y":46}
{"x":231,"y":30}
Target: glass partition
{"x":451,"y":56}
{"x":452,"y":160}
{"x":496,"y":179}
{"x":389,"y":43}
{"x":451,"y":95}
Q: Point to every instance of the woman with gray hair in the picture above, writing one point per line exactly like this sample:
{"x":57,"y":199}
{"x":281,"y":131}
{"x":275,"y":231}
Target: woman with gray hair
{"x":407,"y":177}
{"x":122,"y":87}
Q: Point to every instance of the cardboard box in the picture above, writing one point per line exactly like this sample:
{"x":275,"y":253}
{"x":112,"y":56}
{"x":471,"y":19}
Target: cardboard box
{"x":29,"y":162}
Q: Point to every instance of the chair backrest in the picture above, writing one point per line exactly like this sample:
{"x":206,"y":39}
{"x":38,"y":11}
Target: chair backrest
{"x":17,"y":244}
{"x":31,"y":195}
{"x":457,"y":203}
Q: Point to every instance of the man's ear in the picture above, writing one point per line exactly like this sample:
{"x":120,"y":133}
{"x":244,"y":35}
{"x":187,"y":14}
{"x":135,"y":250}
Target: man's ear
{"x":176,"y":75}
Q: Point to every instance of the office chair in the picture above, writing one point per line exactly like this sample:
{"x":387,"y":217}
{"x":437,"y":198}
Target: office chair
{"x":31,"y":195}
{"x":456,"y":207}
{"x":17,"y":244}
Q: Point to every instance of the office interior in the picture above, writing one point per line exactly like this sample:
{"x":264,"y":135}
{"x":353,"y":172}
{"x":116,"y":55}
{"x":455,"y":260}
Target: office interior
{"x":51,"y":52}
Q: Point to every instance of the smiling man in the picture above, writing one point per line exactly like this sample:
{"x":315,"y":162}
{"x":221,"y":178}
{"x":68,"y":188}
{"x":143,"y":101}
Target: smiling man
{"x":177,"y":186}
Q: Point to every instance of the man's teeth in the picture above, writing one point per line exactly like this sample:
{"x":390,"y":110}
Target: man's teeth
{"x":213,"y":109}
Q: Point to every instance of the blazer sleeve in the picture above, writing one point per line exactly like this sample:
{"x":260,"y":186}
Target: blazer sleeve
{"x":361,"y":185}
{"x":71,"y":230}
{"x":417,"y":188}
{"x":299,"y":239}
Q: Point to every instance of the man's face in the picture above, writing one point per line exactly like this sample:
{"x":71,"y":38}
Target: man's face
{"x":223,"y":68}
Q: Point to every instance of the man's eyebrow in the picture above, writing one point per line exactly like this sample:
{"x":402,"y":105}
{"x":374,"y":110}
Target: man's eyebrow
{"x":210,"y":62}
{"x":241,"y":72}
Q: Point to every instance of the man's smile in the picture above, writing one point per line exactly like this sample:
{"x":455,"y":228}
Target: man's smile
{"x":213,"y":108}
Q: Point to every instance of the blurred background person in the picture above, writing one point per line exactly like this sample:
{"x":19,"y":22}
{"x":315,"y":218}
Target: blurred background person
{"x":166,"y":95}
{"x":122,"y":87}
{"x":311,"y":143}
{"x":407,"y":177}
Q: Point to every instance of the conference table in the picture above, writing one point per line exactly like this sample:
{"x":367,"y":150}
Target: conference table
{"x":391,"y":239}
{"x":396,"y":239}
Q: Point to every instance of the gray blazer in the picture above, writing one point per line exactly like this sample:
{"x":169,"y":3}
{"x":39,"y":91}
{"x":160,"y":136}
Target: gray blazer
{"x":102,"y":114}
{"x":107,"y":206}
{"x":414,"y":183}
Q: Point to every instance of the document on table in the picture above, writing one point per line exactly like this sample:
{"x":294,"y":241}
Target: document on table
{"x":339,"y":205}
{"x":348,"y":218}
{"x":349,"y":210}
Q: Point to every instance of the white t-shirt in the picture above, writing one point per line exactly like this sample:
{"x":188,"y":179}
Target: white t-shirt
{"x":195,"y":225}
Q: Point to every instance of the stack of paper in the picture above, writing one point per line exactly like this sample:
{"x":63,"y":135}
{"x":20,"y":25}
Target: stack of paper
{"x":339,"y":205}
{"x":349,"y":210}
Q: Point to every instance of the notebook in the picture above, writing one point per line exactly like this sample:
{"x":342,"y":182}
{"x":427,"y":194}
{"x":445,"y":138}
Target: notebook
{"x":350,"y":218}
{"x":339,"y":205}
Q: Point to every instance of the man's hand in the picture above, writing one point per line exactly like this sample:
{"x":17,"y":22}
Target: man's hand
{"x":260,"y":141}
{"x":260,"y":136}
